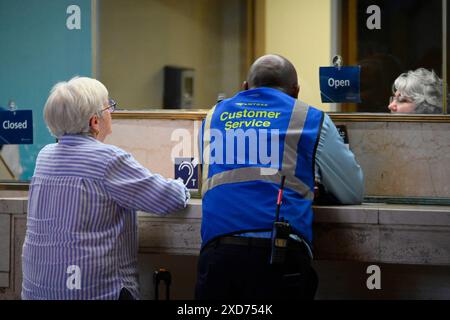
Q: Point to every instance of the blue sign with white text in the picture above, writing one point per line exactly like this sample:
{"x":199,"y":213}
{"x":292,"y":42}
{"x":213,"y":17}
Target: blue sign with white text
{"x":187,"y":170}
{"x":340,"y":84}
{"x":16,"y":127}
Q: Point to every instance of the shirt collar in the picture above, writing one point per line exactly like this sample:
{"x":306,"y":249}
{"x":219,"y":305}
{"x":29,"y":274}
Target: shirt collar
{"x":261,"y":90}
{"x":75,"y":139}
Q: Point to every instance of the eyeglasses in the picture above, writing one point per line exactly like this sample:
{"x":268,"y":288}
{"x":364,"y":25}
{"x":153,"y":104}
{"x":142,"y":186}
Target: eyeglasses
{"x":111,"y":106}
{"x":400,"y":99}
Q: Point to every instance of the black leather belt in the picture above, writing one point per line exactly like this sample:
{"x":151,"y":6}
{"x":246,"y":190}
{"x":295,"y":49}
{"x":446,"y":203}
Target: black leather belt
{"x":244,"y":241}
{"x":253,"y":242}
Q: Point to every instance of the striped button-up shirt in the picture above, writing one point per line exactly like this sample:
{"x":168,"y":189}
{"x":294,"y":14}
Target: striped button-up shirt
{"x":81,"y":240}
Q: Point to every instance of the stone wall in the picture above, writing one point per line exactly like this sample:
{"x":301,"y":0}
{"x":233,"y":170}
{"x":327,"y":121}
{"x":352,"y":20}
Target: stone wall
{"x":403,"y":159}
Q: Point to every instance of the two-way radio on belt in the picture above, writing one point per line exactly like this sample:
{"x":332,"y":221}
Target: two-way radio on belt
{"x":280,"y":232}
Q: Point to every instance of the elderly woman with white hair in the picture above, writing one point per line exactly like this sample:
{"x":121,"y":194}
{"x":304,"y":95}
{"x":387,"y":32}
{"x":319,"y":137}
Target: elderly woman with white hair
{"x":418,"y":91}
{"x":81,"y":240}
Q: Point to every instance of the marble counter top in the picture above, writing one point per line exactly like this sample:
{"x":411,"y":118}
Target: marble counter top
{"x":366,"y":213}
{"x":370,"y":232}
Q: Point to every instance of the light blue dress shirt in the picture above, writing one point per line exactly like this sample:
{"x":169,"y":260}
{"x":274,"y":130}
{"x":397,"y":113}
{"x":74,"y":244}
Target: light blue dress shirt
{"x":336,"y":166}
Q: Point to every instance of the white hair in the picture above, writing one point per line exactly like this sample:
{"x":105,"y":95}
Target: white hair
{"x":71,"y":104}
{"x":423,"y":87}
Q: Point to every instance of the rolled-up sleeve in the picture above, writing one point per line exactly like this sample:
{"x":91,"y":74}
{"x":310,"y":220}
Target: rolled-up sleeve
{"x":336,"y":166}
{"x":135,"y":187}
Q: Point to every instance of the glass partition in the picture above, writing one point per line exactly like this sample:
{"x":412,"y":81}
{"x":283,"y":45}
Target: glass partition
{"x":401,"y":48}
{"x":42,"y":42}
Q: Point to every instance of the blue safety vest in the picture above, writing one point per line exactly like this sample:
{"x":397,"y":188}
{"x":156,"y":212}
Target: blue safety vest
{"x":248,"y":143}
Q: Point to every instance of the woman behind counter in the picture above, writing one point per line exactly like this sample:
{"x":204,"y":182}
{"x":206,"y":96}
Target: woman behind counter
{"x":418,"y":91}
{"x":81,"y":240}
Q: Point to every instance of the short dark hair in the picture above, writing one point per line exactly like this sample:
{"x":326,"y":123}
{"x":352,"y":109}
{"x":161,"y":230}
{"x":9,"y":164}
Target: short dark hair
{"x":272,"y":71}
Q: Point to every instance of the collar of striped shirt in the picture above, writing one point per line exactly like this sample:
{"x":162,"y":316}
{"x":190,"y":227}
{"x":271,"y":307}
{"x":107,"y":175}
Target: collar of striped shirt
{"x":75,"y":139}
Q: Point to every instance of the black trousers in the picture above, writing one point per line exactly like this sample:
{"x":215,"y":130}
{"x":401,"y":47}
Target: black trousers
{"x":229,"y":271}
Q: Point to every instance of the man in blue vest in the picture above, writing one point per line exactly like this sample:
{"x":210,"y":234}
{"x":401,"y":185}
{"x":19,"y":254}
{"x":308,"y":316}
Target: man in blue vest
{"x":262,"y":151}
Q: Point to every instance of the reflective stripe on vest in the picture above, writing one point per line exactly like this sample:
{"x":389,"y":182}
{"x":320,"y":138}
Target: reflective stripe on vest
{"x":289,"y":165}
{"x":206,"y":144}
